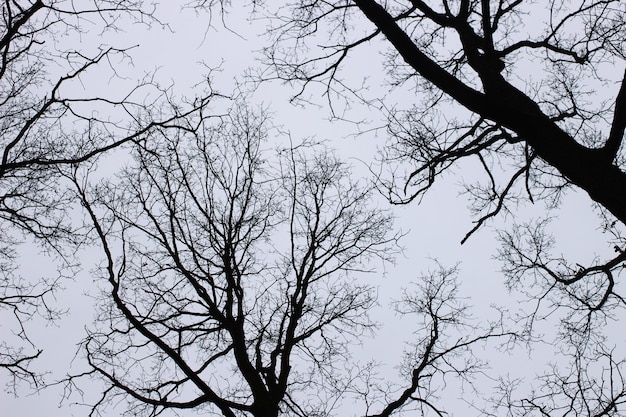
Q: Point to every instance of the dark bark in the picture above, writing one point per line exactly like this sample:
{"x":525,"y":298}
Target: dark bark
{"x":590,"y":169}
{"x":536,"y":131}
{"x":202,"y":290}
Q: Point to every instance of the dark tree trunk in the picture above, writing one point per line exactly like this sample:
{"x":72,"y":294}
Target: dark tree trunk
{"x":592,"y":170}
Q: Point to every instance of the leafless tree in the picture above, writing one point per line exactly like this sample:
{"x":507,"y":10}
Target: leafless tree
{"x":475,"y":53}
{"x":233,"y":284}
{"x":593,"y":386}
{"x":232,"y":273}
{"x":229,"y":278}
{"x":49,"y":117}
{"x":535,"y":94}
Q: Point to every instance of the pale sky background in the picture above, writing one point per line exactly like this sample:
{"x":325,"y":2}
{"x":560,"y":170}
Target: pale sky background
{"x":435,"y":226}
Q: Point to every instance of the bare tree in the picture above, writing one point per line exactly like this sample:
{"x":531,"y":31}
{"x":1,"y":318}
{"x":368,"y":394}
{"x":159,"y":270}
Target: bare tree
{"x":49,"y":118}
{"x":231,"y":274}
{"x":229,"y":279}
{"x":442,"y":361}
{"x":478,"y":56}
{"x":535,"y":93}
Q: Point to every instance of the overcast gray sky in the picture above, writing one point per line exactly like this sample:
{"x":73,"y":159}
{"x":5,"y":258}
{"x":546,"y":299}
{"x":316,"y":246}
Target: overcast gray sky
{"x":435,"y":226}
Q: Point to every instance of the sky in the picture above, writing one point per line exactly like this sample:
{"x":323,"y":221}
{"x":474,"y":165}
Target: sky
{"x":434,"y":227}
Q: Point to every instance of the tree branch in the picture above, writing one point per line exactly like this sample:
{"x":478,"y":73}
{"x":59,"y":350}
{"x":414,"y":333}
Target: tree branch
{"x":616,"y":135}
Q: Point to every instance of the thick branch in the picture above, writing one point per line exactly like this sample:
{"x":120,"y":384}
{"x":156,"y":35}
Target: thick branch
{"x":619,"y":123}
{"x":428,"y":68}
{"x":13,"y":29}
{"x":511,"y":108}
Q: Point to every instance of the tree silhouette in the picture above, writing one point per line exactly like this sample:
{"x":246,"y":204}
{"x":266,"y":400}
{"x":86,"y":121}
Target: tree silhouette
{"x":232,"y":269}
{"x":535,"y":94}
{"x":49,"y":118}
{"x":473,"y":54}
{"x":231,"y":273}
